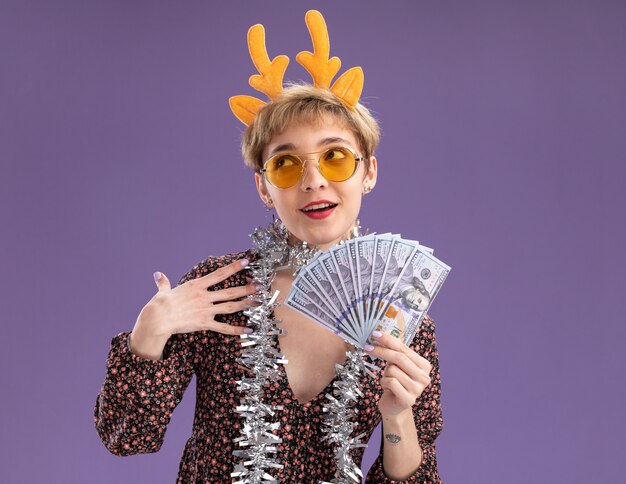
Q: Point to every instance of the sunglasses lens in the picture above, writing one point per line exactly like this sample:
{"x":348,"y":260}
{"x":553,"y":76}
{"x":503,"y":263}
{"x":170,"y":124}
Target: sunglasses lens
{"x":337,"y":164}
{"x":284,"y":171}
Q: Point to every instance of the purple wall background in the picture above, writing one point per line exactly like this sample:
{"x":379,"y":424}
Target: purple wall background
{"x":504,"y":148}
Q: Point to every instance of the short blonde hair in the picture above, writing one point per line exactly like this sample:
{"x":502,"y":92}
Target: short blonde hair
{"x":305,"y":103}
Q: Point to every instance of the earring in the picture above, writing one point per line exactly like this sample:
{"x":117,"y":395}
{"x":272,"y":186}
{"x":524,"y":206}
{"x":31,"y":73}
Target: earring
{"x":268,"y":204}
{"x":366,"y":190}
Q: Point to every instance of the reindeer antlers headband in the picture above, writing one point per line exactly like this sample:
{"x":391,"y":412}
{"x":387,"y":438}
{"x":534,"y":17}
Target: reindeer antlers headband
{"x":347,"y":87}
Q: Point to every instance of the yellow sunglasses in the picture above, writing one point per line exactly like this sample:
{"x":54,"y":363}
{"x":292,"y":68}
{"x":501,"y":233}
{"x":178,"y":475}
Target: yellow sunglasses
{"x":336,"y":164}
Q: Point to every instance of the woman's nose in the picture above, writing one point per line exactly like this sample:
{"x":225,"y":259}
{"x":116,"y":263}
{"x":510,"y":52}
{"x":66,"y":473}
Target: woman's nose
{"x":312,"y":178}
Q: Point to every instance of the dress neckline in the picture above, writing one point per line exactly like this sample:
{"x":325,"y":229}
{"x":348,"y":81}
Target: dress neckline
{"x":287,"y":386}
{"x":284,"y":380}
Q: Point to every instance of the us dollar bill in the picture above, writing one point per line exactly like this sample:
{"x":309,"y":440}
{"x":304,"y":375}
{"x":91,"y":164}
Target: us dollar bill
{"x":403,"y":306}
{"x":375,"y":282}
{"x":310,"y":286}
{"x":311,"y":309}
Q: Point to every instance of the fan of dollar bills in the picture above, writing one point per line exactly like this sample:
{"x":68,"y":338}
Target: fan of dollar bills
{"x":374,"y":282}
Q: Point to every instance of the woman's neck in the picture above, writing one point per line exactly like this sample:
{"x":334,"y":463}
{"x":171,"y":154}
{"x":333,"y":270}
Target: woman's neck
{"x":293,"y":240}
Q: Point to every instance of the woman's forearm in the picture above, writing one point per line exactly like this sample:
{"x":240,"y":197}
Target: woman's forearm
{"x":402,"y":454}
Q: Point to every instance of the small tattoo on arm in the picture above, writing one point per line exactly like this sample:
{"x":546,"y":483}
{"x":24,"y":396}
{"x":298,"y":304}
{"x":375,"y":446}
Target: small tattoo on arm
{"x":393,"y":438}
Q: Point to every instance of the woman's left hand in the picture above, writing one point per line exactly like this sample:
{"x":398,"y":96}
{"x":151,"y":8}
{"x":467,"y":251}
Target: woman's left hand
{"x":406,"y":376}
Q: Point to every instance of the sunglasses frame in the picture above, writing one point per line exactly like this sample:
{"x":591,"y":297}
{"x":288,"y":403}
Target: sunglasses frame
{"x":357,"y":158}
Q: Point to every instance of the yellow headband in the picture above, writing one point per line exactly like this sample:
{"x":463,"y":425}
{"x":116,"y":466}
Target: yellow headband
{"x":347,"y":87}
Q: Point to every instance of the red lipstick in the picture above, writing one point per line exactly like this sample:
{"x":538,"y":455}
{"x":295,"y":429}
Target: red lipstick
{"x":318,"y":209}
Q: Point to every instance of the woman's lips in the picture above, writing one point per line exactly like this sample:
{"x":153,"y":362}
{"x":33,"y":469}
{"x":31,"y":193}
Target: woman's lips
{"x":319,"y":214}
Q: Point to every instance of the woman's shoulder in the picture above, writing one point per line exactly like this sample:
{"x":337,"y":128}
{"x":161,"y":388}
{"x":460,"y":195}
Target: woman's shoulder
{"x":212,"y":263}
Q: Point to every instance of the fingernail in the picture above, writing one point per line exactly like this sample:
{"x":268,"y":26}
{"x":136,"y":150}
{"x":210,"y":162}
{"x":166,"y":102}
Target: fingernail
{"x":244,"y":262}
{"x":248,"y":330}
{"x":376,"y":334}
{"x":368,"y":347}
{"x":157,"y":275}
{"x":258,"y":286}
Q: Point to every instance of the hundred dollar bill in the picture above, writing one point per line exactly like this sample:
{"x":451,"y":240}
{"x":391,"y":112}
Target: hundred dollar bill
{"x":423,"y":248}
{"x":363,"y":256}
{"x":399,"y":253}
{"x":315,"y":275}
{"x":329,"y":285}
{"x":382,"y":279}
{"x":369,"y":283}
{"x":341,"y":257}
{"x":382,"y":251}
{"x":308,"y":285}
{"x":323,"y":293}
{"x":403,"y":307}
{"x":334,"y":276}
{"x":367,"y":247}
{"x":302,"y":304}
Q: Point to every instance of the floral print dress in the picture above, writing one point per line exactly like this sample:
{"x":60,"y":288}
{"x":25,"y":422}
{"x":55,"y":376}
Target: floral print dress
{"x":138,"y":396}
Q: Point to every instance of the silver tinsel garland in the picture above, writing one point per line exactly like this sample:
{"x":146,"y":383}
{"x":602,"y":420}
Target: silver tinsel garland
{"x":260,"y":354}
{"x":340,"y":412}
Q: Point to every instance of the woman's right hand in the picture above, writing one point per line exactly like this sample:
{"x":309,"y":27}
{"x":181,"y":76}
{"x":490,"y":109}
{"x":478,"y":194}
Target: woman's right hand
{"x":189,"y":307}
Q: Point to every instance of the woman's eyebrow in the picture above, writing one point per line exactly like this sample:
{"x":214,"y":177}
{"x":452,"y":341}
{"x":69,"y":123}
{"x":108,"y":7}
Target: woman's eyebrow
{"x":332,"y":140}
{"x":322,"y":142}
{"x":283,"y":147}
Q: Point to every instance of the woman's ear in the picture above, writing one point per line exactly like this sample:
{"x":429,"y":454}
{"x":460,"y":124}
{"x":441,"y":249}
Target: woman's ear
{"x":262,"y":189}
{"x":369,"y":180}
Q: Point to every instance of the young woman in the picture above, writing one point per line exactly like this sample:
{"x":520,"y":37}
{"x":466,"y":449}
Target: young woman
{"x":195,"y":327}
